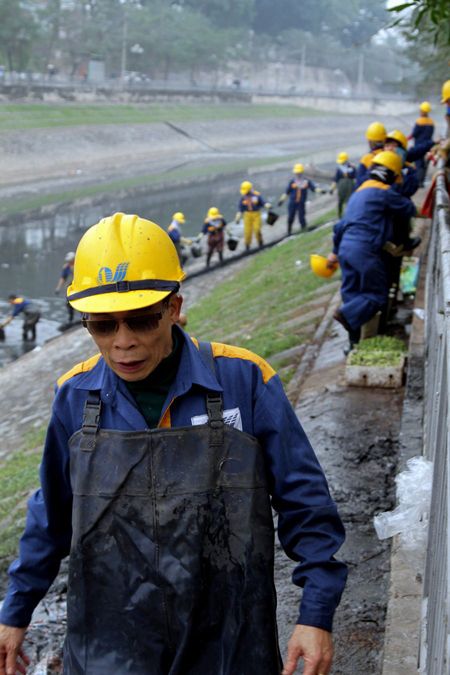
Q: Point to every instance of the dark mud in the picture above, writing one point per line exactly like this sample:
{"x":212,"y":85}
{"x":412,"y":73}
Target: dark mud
{"x":355,"y":433}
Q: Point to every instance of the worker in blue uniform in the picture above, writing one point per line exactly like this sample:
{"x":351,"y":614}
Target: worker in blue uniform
{"x":376,"y":136}
{"x":65,"y":278}
{"x":344,"y":180}
{"x":297,"y":193}
{"x":31,"y":315}
{"x":359,"y":242}
{"x":406,"y":184}
{"x":162,"y":462}
{"x":422,"y":135}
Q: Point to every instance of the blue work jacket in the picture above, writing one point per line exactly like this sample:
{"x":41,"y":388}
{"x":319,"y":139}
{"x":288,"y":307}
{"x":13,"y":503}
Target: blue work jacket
{"x":19,"y":305}
{"x":297,"y":190}
{"x":346,"y":170}
{"x":423,"y":130}
{"x":369,"y":213}
{"x":253,"y":201}
{"x":409,"y":183}
{"x":309,"y":527}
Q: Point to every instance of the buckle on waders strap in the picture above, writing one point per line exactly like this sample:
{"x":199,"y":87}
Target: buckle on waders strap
{"x":214,"y":407}
{"x":91,"y":421}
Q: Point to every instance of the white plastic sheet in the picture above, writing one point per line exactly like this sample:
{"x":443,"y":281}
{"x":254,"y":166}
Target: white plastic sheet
{"x":410,"y":518}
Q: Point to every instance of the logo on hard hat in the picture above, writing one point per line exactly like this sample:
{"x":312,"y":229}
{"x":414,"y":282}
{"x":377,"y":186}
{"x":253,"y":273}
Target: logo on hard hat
{"x":105,"y":274}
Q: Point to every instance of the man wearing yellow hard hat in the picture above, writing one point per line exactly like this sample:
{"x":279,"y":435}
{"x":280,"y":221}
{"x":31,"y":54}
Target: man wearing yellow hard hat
{"x":422,"y":135}
{"x":359,"y":242}
{"x":376,"y":135}
{"x":250,"y":205}
{"x":344,"y":180}
{"x":297,"y":192}
{"x":174,"y":231}
{"x":163,"y":459}
{"x":214,"y":227}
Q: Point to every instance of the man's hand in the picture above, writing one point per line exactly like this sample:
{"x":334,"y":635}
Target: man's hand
{"x":12,"y":657}
{"x":332,"y":261}
{"x":312,"y":644}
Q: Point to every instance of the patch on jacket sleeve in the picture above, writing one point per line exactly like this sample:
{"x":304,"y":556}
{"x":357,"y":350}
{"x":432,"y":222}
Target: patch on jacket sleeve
{"x":232,"y":417}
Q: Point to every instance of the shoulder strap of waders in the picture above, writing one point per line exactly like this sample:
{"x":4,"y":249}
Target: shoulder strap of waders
{"x":91,"y":421}
{"x":214,"y":400}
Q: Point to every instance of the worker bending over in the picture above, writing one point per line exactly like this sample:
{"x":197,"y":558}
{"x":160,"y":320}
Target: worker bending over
{"x":359,"y":243}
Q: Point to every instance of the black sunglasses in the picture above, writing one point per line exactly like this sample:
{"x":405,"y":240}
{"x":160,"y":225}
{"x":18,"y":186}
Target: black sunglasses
{"x":139,"y":323}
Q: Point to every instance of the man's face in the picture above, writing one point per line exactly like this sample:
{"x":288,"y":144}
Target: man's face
{"x":391,"y":146}
{"x":133,"y":355}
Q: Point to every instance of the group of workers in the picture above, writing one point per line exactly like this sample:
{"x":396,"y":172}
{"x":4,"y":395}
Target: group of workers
{"x":250,"y":208}
{"x":164,"y":457}
{"x":374,"y":231}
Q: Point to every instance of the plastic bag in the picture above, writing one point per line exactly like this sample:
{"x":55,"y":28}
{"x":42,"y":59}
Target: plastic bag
{"x":410,"y":518}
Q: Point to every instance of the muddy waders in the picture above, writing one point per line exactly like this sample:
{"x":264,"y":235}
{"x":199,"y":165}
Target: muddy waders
{"x":171,"y":563}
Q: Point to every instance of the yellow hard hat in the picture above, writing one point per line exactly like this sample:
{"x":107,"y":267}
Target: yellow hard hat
{"x":376,"y":132}
{"x":246,"y":186}
{"x":298,"y":168}
{"x":214,"y":212}
{"x":445,"y":91}
{"x":321,"y":267}
{"x":425,"y":107}
{"x":390,"y":160}
{"x":398,"y":136}
{"x":123,"y":262}
{"x":178,"y":216}
{"x":342,"y":157}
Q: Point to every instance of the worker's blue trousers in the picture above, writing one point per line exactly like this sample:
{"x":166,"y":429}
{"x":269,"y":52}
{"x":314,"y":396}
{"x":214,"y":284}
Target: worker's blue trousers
{"x":365,"y":286}
{"x":299,"y":208}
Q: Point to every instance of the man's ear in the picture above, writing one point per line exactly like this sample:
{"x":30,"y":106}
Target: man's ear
{"x":175,"y":303}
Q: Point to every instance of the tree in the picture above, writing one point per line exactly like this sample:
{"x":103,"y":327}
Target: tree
{"x":18,"y":29}
{"x":431,"y":16}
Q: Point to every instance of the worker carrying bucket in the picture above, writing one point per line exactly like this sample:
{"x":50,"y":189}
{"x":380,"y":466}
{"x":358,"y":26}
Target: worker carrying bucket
{"x":250,"y":206}
{"x":297,"y":193}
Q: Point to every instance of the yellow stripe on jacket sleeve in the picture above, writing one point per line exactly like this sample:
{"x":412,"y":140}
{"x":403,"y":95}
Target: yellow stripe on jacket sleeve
{"x":82,"y":367}
{"x":371,"y":183}
{"x":231,"y":352}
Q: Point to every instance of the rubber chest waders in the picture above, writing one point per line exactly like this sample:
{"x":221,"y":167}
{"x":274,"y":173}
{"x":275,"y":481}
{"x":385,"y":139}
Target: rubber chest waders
{"x":171,"y":564}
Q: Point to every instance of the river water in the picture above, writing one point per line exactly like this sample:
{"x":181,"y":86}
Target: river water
{"x":32,"y":252}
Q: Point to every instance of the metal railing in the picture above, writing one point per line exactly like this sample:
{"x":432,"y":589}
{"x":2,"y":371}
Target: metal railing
{"x":435,"y":640}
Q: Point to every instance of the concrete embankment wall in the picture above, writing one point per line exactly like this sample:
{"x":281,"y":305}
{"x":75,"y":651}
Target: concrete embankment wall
{"x":99,"y":93}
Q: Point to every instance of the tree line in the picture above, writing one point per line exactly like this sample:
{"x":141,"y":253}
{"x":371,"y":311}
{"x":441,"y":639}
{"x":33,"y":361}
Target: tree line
{"x":160,"y":37}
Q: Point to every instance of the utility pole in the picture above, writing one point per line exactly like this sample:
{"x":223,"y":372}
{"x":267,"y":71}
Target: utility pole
{"x":302,"y":65}
{"x":123,"y":61}
{"x":360,"y":83}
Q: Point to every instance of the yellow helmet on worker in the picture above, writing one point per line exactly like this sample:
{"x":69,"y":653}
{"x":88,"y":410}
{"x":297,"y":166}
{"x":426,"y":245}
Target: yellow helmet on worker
{"x":321,"y":267}
{"x":399,"y":136}
{"x":246,"y":186}
{"x":298,"y":168}
{"x":179,"y":217}
{"x":376,"y":132}
{"x":214,"y":212}
{"x":342,"y":158}
{"x":390,"y":160}
{"x":123,"y":263}
{"x":445,"y":95}
{"x":425,"y":107}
